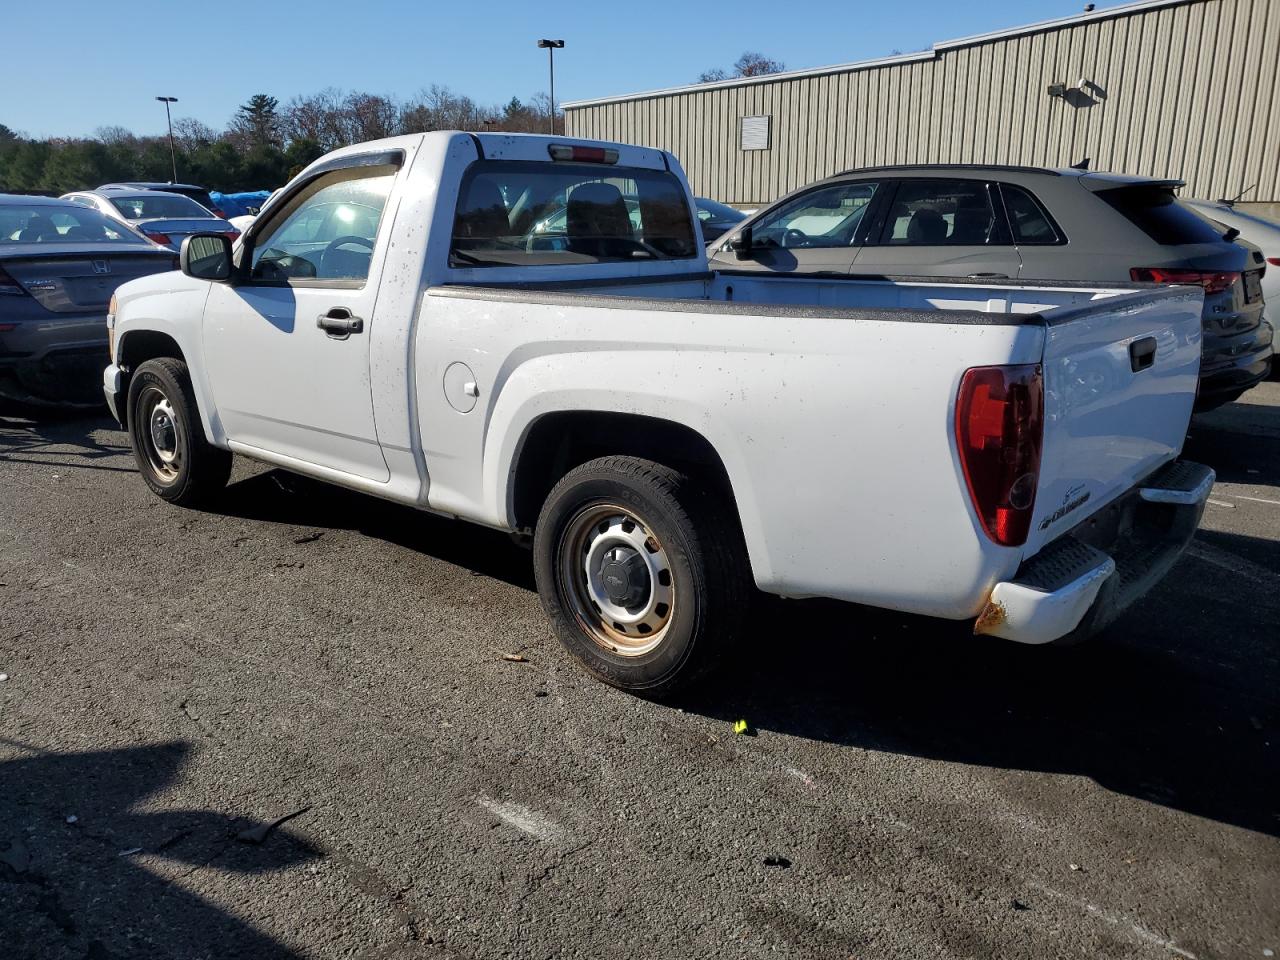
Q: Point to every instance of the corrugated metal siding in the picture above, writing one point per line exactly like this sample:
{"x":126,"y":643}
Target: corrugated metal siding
{"x":1190,"y":90}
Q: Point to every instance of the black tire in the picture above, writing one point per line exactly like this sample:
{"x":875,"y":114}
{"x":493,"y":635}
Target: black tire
{"x":196,"y":470}
{"x":682,"y":526}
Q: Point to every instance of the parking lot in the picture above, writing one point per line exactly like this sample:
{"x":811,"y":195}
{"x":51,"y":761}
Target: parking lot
{"x":177,"y":679}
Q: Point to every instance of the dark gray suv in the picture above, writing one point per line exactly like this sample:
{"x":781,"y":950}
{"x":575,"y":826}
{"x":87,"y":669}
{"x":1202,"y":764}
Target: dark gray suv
{"x":1026,"y":223}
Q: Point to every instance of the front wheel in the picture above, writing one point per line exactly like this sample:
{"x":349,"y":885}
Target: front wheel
{"x":169,"y":445}
{"x":642,"y":572}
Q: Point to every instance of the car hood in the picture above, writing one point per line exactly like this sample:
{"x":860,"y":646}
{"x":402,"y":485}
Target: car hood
{"x":170,"y":282}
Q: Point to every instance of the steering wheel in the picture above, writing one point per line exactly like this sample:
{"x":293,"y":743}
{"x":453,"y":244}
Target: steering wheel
{"x":795,"y":238}
{"x":337,"y":242}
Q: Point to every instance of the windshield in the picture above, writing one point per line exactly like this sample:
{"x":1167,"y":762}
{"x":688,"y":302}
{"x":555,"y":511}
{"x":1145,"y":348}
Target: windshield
{"x":518,"y":212}
{"x":170,"y":206}
{"x":46,"y":223}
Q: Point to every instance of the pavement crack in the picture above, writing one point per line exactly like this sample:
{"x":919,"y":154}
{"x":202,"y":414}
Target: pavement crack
{"x":535,"y":883}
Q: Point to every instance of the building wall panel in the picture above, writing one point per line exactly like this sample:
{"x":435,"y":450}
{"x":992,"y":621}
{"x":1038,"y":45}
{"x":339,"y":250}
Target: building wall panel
{"x":1190,"y":90}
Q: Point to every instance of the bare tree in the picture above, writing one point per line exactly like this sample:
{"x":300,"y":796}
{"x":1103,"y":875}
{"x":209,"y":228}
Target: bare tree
{"x":117,"y":135}
{"x":191,"y":133}
{"x":750,"y":64}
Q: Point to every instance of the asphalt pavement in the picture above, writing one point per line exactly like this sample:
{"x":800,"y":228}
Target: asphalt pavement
{"x":178,"y":681}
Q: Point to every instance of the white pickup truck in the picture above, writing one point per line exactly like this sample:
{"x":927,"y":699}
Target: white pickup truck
{"x":523,"y":332}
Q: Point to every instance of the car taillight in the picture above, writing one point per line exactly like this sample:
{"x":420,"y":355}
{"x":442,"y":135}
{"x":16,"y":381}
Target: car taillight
{"x":999,"y":432}
{"x":9,"y":286}
{"x":1213,"y":281}
{"x":1274,"y":261}
{"x":231,"y":234}
{"x":217,"y":213}
{"x":157,"y":237}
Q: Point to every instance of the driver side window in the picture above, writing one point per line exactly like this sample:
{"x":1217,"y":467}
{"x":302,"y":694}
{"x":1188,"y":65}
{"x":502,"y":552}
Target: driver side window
{"x":327,"y":231}
{"x":828,"y":217}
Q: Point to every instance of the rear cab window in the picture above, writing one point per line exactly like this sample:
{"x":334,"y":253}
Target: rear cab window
{"x":1156,"y":212}
{"x":520,"y":212}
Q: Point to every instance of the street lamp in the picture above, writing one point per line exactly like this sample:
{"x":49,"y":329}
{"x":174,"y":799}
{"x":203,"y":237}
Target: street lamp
{"x":173,"y":156}
{"x":552,"y":46}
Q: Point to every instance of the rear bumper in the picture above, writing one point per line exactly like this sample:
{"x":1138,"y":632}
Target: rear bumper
{"x":1234,"y":364}
{"x":1084,"y":580}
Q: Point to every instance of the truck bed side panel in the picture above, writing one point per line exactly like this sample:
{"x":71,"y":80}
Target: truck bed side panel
{"x":797,"y":407}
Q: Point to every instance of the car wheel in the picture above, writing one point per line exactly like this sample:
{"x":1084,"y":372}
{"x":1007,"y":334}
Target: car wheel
{"x":642,"y":572}
{"x":169,"y":445}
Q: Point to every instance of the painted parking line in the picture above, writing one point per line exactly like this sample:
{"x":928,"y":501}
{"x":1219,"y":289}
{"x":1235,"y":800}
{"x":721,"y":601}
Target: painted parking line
{"x":1258,"y":500}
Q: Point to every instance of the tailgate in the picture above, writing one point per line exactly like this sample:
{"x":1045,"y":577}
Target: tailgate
{"x":79,"y":283}
{"x":1119,"y":381}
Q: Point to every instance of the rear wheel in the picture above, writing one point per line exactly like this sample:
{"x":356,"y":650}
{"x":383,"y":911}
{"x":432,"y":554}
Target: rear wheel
{"x":641,"y":571}
{"x":169,"y":445}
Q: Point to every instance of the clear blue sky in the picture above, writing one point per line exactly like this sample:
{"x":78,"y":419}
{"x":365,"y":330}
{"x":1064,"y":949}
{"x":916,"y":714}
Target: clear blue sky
{"x":89,"y":64}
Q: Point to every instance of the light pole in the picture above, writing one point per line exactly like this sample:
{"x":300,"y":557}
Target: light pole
{"x":552,"y":46}
{"x":173,"y":156}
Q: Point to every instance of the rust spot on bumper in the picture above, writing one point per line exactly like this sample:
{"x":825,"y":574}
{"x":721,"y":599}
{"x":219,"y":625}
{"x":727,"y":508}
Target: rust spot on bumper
{"x":992,"y":616}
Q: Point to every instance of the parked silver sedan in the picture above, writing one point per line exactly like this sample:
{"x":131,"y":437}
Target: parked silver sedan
{"x":166,"y":218}
{"x":59,"y":265}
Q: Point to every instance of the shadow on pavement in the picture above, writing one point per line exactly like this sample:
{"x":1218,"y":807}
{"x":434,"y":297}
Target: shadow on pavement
{"x":64,"y":442}
{"x":1175,"y":705}
{"x":68,"y":890}
{"x":281,"y":497}
{"x":1235,"y":456}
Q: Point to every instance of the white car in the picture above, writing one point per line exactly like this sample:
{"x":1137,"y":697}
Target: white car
{"x":1259,"y":231}
{"x":164,"y":218}
{"x":670,"y":438}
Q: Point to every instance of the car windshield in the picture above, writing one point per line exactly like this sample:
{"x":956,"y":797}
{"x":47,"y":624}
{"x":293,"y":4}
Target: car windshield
{"x":515,"y":212}
{"x":152,"y":206}
{"x":711,"y":210}
{"x":47,"y":223}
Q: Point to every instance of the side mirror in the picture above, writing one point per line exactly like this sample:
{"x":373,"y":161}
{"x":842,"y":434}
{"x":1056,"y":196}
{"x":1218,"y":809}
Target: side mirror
{"x":741,"y":245}
{"x":206,"y":256}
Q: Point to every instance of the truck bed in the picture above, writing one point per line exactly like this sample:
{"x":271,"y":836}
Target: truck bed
{"x":895,"y":351}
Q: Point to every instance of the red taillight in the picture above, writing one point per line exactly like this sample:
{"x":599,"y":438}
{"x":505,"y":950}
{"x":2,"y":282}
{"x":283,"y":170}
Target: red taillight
{"x":1213,"y":281}
{"x":217,"y":213}
{"x":999,"y":430}
{"x":1274,"y":261}
{"x":10,"y":286}
{"x":157,"y":237}
{"x":565,"y":151}
{"x":231,"y":234}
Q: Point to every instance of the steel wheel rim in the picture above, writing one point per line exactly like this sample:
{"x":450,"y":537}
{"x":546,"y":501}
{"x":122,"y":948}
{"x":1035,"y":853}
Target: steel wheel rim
{"x":160,"y":434}
{"x":601,"y":544}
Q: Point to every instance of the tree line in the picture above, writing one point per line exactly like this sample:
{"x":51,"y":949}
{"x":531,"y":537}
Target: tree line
{"x":264,"y":145}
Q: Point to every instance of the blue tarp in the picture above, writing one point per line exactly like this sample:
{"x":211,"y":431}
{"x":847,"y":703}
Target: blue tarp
{"x":238,"y":204}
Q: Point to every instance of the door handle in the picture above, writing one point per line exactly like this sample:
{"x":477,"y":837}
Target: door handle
{"x":339,"y":324}
{"x":1142,"y":354}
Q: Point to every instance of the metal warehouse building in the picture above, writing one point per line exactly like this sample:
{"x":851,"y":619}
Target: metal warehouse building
{"x":1169,"y":88}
